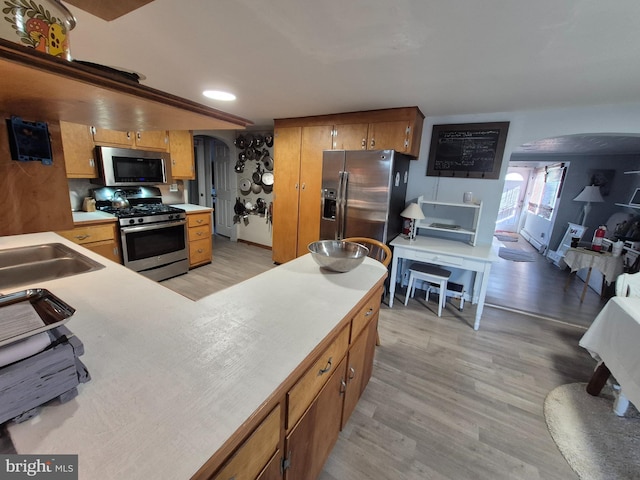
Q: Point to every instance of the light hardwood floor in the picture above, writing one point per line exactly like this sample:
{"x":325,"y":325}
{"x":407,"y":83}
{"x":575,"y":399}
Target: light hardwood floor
{"x":445,"y":401}
{"x":538,"y":288}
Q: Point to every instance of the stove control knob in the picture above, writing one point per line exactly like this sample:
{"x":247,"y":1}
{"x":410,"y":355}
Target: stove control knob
{"x":132,"y":221}
{"x":140,"y":220}
{"x":170,"y":217}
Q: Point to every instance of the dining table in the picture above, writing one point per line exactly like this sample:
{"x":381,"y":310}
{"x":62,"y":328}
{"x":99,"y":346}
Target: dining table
{"x":580,"y":258}
{"x":613,"y":339}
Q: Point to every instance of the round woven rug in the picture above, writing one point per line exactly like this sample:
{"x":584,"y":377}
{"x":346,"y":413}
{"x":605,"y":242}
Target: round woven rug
{"x":597,"y":444}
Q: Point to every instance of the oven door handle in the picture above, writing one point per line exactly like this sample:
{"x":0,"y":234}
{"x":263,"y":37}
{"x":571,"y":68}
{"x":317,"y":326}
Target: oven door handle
{"x":153,"y":226}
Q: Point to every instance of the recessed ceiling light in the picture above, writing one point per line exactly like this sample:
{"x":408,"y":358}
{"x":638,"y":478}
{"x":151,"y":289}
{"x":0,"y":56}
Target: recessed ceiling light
{"x":219,"y":95}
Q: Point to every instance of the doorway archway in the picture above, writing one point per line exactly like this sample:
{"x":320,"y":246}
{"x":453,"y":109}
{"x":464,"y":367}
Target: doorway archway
{"x":214,"y":186}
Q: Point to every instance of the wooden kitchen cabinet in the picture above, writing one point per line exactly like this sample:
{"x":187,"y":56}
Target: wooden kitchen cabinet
{"x":309,"y":443}
{"x":79,"y":142}
{"x":359,"y":368}
{"x":273,"y":470}
{"x":182,"y":156}
{"x":79,"y":150}
{"x":298,"y":170}
{"x":301,"y":395}
{"x":199,"y":237}
{"x":350,"y":136}
{"x":298,"y":147}
{"x":286,"y":168}
{"x":255,"y":453}
{"x":101,"y":238}
{"x":147,"y":140}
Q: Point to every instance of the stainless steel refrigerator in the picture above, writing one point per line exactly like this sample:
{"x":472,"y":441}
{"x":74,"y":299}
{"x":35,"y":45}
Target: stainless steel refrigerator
{"x":363,"y":193}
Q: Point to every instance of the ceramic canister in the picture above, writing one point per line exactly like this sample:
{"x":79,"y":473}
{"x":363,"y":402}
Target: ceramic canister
{"x":40,"y":24}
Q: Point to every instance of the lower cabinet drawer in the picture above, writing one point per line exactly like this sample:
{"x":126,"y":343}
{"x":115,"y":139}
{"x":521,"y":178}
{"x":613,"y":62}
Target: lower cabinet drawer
{"x":198,"y":219}
{"x":302,"y":394}
{"x":254,"y":454}
{"x":200,"y":251}
{"x":198,"y":233}
{"x":95,"y":233}
{"x":366,"y":313}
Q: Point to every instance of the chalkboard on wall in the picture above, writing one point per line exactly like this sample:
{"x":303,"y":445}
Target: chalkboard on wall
{"x":467,"y":150}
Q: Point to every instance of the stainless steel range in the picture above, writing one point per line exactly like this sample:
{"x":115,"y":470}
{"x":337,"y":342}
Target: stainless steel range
{"x":153,"y":235}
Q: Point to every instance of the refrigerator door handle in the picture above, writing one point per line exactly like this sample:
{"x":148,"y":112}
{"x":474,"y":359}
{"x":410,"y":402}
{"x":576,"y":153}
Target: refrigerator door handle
{"x":342,"y":202}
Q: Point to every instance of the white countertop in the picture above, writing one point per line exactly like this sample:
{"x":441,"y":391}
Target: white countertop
{"x":172,"y":379}
{"x":97,"y":216}
{"x":189,"y":208}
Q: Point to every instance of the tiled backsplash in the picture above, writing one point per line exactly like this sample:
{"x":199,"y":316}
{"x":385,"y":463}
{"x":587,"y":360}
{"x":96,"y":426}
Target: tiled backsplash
{"x":79,"y":189}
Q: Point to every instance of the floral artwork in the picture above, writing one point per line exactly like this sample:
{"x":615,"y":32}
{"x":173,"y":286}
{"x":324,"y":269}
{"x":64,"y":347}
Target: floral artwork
{"x":36,"y":27}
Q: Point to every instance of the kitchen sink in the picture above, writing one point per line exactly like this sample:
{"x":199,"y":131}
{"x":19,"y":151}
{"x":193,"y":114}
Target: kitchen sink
{"x":39,"y":263}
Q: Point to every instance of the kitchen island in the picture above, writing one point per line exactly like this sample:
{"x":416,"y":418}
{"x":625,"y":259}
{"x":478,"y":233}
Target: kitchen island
{"x":179,"y":388}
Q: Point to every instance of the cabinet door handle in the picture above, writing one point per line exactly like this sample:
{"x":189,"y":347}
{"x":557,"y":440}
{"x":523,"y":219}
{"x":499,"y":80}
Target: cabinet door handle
{"x":92,"y":163}
{"x":199,"y":234}
{"x":364,"y":143}
{"x":199,"y":220}
{"x":129,"y":135}
{"x":343,"y":387}
{"x":324,"y":370}
{"x":296,"y":186}
{"x":82,"y":237}
{"x":200,"y":250}
{"x":369,"y":312}
{"x":352,"y":373}
{"x":303,"y":186}
{"x":373,"y":142}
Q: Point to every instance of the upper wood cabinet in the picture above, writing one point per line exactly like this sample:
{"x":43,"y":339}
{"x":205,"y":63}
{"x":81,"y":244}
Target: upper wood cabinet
{"x":401,"y":136}
{"x":398,"y":129}
{"x":150,"y":140}
{"x":79,"y":142}
{"x":182,"y":157}
{"x":350,"y":136}
{"x":79,"y":151}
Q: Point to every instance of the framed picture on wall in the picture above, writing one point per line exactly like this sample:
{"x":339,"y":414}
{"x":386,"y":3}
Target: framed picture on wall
{"x":467,"y":150}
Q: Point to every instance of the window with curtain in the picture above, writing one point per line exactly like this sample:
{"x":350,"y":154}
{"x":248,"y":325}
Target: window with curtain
{"x":547,"y":185}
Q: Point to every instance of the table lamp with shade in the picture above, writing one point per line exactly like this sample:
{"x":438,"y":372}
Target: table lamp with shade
{"x":590,"y":194}
{"x":413,"y":212}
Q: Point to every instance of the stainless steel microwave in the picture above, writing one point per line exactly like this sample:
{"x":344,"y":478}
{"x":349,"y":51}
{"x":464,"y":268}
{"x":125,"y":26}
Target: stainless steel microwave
{"x":119,"y":167}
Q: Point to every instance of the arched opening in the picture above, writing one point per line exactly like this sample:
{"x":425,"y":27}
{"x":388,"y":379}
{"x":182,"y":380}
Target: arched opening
{"x":214,"y":186}
{"x":556,"y":170}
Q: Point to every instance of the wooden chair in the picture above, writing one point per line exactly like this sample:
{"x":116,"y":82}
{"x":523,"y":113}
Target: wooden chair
{"x":377,"y":250}
{"x":628,"y":285}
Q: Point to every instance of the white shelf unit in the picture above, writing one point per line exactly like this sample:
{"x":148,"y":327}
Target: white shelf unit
{"x":463,"y":218}
{"x":630,"y":172}
{"x":628,"y":206}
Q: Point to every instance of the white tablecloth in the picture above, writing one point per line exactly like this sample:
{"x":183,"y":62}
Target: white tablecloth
{"x":606,"y":263}
{"x":614,"y":338}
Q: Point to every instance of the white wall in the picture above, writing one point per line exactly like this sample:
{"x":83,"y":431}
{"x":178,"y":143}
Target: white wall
{"x":525,"y":126}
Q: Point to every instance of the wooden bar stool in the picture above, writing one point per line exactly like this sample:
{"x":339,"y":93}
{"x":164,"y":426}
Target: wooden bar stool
{"x":432,"y":274}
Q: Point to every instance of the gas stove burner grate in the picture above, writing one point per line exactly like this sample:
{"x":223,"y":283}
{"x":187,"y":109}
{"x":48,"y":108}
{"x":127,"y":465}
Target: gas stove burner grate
{"x":142,"y":210}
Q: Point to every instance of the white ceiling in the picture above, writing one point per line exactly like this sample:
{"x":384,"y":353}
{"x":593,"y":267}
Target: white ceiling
{"x":290,"y":58}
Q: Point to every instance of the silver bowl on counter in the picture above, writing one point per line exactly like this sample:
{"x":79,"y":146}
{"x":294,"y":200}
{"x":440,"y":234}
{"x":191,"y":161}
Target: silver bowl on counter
{"x":338,"y":255}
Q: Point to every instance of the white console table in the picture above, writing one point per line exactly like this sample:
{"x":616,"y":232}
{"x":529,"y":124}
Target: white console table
{"x":446,"y":253}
